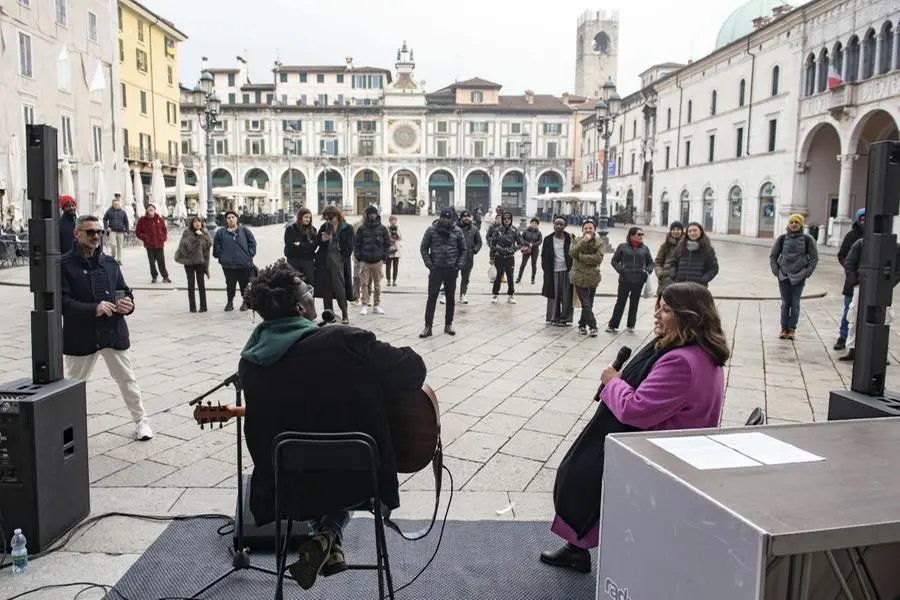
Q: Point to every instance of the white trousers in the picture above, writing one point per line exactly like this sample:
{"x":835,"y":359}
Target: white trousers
{"x":851,"y":318}
{"x":116,"y":241}
{"x":119,"y":364}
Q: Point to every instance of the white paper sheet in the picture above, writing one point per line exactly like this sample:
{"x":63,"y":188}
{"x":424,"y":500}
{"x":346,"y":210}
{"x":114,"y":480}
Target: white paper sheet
{"x":765,"y":449}
{"x":703,"y":453}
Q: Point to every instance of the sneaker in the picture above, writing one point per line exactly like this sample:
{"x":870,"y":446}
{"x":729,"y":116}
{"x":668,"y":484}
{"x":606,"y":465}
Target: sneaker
{"x":783,"y":334}
{"x":378,"y":310}
{"x":612,"y":330}
{"x":335,"y":563}
{"x":463,"y":299}
{"x":443,"y":299}
{"x":629,"y":329}
{"x":511,"y":300}
{"x":365,"y":310}
{"x":594,"y":332}
{"x":229,"y":307}
{"x":166,"y":280}
{"x":582,"y":330}
{"x":142,"y":431}
{"x":312,"y":556}
{"x":495,"y":300}
{"x":849,"y":357}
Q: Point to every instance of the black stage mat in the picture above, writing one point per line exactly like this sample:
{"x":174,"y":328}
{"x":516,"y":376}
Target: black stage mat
{"x":496,"y":560}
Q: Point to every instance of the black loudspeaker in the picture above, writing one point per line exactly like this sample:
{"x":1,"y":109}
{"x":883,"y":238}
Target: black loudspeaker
{"x":847,"y":404}
{"x":262,"y":537}
{"x":44,"y":482}
{"x":883,"y":185}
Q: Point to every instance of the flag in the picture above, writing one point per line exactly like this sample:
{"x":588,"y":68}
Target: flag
{"x":834,"y":78}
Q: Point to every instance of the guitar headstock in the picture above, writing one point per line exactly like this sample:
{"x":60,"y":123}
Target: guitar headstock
{"x":211,"y":414}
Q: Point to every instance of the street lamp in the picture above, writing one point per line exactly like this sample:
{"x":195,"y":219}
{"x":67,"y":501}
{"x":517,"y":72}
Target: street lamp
{"x":606,"y":111}
{"x":323,"y":158}
{"x":289,"y":149}
{"x":208,"y":105}
{"x":524,"y":153}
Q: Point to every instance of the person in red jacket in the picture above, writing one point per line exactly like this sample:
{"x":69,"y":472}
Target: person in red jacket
{"x":151,"y":229}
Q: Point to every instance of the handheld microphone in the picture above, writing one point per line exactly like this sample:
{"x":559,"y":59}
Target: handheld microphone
{"x":327,"y":317}
{"x":623,"y":355}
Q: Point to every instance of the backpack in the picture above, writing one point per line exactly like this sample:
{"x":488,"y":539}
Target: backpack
{"x":806,"y":238}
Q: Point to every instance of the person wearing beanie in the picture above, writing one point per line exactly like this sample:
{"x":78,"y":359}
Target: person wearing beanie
{"x":473,"y":247}
{"x":663,"y":276}
{"x":443,"y":251}
{"x":504,"y":241}
{"x":67,"y":223}
{"x":151,"y":229}
{"x":855,"y":233}
{"x":793,"y":260}
{"x":371,"y":246}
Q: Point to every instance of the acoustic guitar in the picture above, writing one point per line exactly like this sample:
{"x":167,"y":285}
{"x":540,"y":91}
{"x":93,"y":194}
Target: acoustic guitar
{"x":414,"y":418}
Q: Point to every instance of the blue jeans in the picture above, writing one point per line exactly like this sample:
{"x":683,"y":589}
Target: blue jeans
{"x":332,"y":522}
{"x":790,"y":303}
{"x":845,"y":325}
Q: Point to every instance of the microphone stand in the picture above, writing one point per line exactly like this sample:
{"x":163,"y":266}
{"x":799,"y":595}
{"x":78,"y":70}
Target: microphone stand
{"x":241,"y":560}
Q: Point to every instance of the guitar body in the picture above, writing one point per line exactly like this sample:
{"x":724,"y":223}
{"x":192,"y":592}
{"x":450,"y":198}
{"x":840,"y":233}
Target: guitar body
{"x":414,"y":419}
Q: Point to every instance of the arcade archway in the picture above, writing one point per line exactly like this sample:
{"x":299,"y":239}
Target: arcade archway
{"x":256,"y":178}
{"x":330,"y":189}
{"x":440,"y":190}
{"x":404,"y":193}
{"x":823,"y":175}
{"x":478,"y":191}
{"x":293,"y":190}
{"x":367,"y":188}
{"x":512,"y":193}
{"x":876,"y":126}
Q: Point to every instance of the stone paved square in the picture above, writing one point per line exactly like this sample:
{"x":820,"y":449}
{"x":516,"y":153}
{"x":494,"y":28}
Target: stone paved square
{"x":514,"y":392}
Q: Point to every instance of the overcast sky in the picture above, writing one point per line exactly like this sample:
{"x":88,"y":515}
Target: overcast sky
{"x":521,"y":45}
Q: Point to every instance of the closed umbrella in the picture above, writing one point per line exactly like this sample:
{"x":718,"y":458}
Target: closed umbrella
{"x":180,"y":211}
{"x":14,"y":176}
{"x":68,"y":180}
{"x":138,"y":191}
{"x":128,"y":199}
{"x":158,"y":188}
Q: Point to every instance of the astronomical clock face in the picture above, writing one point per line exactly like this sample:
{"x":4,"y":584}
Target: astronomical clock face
{"x":405,"y":137}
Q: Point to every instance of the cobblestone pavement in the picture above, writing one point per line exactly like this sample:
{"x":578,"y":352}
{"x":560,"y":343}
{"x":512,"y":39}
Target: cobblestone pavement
{"x":514,"y":393}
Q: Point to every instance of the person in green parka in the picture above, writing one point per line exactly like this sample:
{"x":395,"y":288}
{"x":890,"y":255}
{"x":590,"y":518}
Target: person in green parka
{"x":587,"y":255}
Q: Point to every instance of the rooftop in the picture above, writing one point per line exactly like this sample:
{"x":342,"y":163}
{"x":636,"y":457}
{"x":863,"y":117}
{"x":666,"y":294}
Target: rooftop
{"x":165,"y":23}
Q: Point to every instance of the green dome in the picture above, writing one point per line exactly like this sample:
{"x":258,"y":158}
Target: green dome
{"x":740,"y":22}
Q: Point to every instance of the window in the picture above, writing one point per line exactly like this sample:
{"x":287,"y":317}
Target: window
{"x":302,"y":77}
{"x":442,"y":148}
{"x":65,"y":136}
{"x":171,"y":113}
{"x":776,"y":73}
{"x":245,"y":98}
{"x":220,"y":147}
{"x":712,"y":148}
{"x":302,"y":101}
{"x":809,"y":87}
{"x":97,"y":142}
{"x":668,"y":118}
{"x":125,"y":143}
{"x":64,"y":70}
{"x":367,"y":82}
{"x":62,"y":12}
{"x":687,"y":153}
{"x":92,"y":27}
{"x":284,"y":99}
{"x":742,"y":92}
{"x":477,"y":97}
{"x":632,"y":162}
{"x":28,"y":114}
{"x":145,"y":145}
{"x":739,"y":146}
{"x":25,"y":66}
{"x":256,"y":147}
{"x":257,"y":97}
{"x":295,"y":125}
{"x":320,"y":78}
{"x":668,"y":155}
{"x":515,"y":128}
{"x":365,"y":126}
{"x":690,"y":111}
{"x":282,"y":77}
{"x":478,"y":149}
{"x":552,"y":128}
{"x":478,"y":127}
{"x":340,"y":78}
{"x":187,"y":125}
{"x":186,"y":147}
{"x":119,"y":17}
{"x":773,"y":129}
{"x":140,"y":30}
{"x":231,"y":80}
{"x":442,"y":127}
{"x":143,"y":102}
{"x":552,"y":150}
{"x":322,"y":100}
{"x":173,"y":153}
{"x":121,"y":50}
{"x":232,"y":98}
{"x":169,"y":47}
{"x":712,"y":103}
{"x":124,"y":96}
{"x":254,"y":125}
{"x":328,"y":147}
{"x":340,"y":99}
{"x":512,"y":150}
{"x":141,"y":60}
{"x":634,"y":129}
{"x":328,"y":126}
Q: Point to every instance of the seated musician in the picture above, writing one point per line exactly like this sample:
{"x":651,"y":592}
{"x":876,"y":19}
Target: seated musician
{"x":300,"y":377}
{"x":676,"y":381}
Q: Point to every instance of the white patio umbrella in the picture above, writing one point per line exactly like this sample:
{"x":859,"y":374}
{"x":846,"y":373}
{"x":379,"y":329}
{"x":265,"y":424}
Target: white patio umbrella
{"x":68,"y":180}
{"x":99,"y":189}
{"x":14,"y":177}
{"x":158,"y":189}
{"x":138,"y":191}
{"x":180,"y":211}
{"x":201,"y":195}
{"x":128,"y":197}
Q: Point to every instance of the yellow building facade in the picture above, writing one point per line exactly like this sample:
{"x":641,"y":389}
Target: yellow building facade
{"x":148,"y":70}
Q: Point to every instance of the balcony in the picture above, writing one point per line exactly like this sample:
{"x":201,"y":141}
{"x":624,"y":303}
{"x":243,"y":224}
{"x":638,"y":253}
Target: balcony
{"x":840,"y":101}
{"x":145,"y":155}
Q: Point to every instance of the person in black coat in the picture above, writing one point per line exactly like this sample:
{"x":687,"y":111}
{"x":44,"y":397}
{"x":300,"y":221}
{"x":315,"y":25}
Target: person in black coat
{"x":444,"y":253}
{"x":95,"y":302}
{"x":556,"y":262}
{"x":67,"y":223}
{"x":334,"y":280}
{"x":855,"y":233}
{"x":633,"y":262}
{"x":299,"y":377}
{"x":300,"y":243}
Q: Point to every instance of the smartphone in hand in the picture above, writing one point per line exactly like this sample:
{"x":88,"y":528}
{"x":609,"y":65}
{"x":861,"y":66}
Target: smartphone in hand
{"x":119,"y":295}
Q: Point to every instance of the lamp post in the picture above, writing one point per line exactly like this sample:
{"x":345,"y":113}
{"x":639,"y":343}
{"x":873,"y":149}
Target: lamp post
{"x":606,"y":111}
{"x":289,"y":152}
{"x":325,"y":165}
{"x":208,"y":105}
{"x":524,"y":153}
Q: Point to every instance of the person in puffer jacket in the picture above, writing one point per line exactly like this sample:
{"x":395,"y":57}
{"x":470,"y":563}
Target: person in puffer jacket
{"x":634,"y":263}
{"x":793,"y":259}
{"x":531,"y":248}
{"x":370,"y":251}
{"x":587,"y":256}
{"x":663,"y":276}
{"x":694,"y":258}
{"x":504,"y":241}
{"x":443,"y":251}
{"x":473,"y":246}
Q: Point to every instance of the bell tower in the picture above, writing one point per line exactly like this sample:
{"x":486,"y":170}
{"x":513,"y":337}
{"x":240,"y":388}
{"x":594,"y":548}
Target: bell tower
{"x":597,"y":51}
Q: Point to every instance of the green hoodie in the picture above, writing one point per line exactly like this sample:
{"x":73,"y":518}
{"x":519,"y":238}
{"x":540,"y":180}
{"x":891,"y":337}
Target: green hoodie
{"x":272,"y":339}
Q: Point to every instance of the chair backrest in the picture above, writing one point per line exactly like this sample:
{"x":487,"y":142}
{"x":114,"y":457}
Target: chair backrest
{"x":757,"y":418}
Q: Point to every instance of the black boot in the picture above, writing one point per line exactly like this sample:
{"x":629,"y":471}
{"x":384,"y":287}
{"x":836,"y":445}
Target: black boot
{"x":840,"y":344}
{"x":568,"y":557}
{"x":850,"y":356}
{"x":448,"y":329}
{"x":229,"y":307}
{"x":426,"y":332}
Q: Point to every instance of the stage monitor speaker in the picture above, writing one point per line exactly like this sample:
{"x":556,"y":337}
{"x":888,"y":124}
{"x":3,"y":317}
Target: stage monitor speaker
{"x":44,"y":481}
{"x":846,"y":404}
{"x":262,"y":537}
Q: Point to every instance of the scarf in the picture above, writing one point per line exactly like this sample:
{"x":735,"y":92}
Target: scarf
{"x":637,"y":369}
{"x":272,"y":339}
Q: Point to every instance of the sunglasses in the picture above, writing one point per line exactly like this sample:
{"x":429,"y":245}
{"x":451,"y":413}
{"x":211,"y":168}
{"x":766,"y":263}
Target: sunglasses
{"x":92,"y":232}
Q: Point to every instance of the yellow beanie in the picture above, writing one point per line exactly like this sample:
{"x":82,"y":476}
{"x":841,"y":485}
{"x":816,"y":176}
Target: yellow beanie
{"x":795,"y":218}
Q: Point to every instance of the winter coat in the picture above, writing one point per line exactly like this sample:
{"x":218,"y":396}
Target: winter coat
{"x":308,"y":243}
{"x":663,"y":275}
{"x":633,"y":265}
{"x":234,"y":249}
{"x":794,"y":257}
{"x":855,"y":233}
{"x":473,"y":243}
{"x":344,"y":240}
{"x":587,"y":256}
{"x":700,"y":265}
{"x":372,"y":242}
{"x":396,"y":238}
{"x":152,"y":231}
{"x":548,"y":262}
{"x":194,"y":249}
{"x":505,"y":241}
{"x":66,"y":233}
{"x":86,"y":282}
{"x":531,"y":239}
{"x":115,"y":220}
{"x":443,"y":247}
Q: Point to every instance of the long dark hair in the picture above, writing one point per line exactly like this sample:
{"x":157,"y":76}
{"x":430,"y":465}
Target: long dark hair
{"x":307,"y":230}
{"x":199,"y":220}
{"x":703,"y":240}
{"x":697,"y":320}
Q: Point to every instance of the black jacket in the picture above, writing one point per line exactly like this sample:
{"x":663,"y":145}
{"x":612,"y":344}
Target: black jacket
{"x":372,"y":242}
{"x":632,"y":264}
{"x":307,"y":248}
{"x":855,"y":233}
{"x":85,"y":282}
{"x":306,"y":391}
{"x":444,"y":247}
{"x":473,"y":242}
{"x":548,"y":260}
{"x":66,"y":233}
{"x":532,"y":237}
{"x":116,"y":220}
{"x":344,"y":240}
{"x":700,"y":266}
{"x":505,"y":241}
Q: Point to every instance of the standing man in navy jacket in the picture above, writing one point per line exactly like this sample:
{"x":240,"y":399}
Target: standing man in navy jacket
{"x":95,"y":301}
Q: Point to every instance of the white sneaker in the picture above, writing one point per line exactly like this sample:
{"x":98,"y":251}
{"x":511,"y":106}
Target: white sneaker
{"x":463,"y":299}
{"x":511,"y":300}
{"x":378,"y":310}
{"x":443,"y":299}
{"x":495,"y":300}
{"x":365,"y":310}
{"x":142,"y":431}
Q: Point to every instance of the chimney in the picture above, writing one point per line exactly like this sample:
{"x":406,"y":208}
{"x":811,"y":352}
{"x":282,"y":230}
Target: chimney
{"x":781,"y":10}
{"x":349,"y":61}
{"x":760,"y":22}
{"x":529,"y":96}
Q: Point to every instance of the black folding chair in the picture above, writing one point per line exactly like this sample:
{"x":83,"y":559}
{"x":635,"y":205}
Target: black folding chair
{"x":295,"y":452}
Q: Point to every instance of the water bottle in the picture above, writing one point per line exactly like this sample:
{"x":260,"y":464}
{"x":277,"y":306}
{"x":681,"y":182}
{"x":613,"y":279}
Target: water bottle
{"x":19,"y":552}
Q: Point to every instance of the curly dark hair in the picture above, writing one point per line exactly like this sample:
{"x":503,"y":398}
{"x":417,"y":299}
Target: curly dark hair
{"x":696,"y":320}
{"x":276,"y":292}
